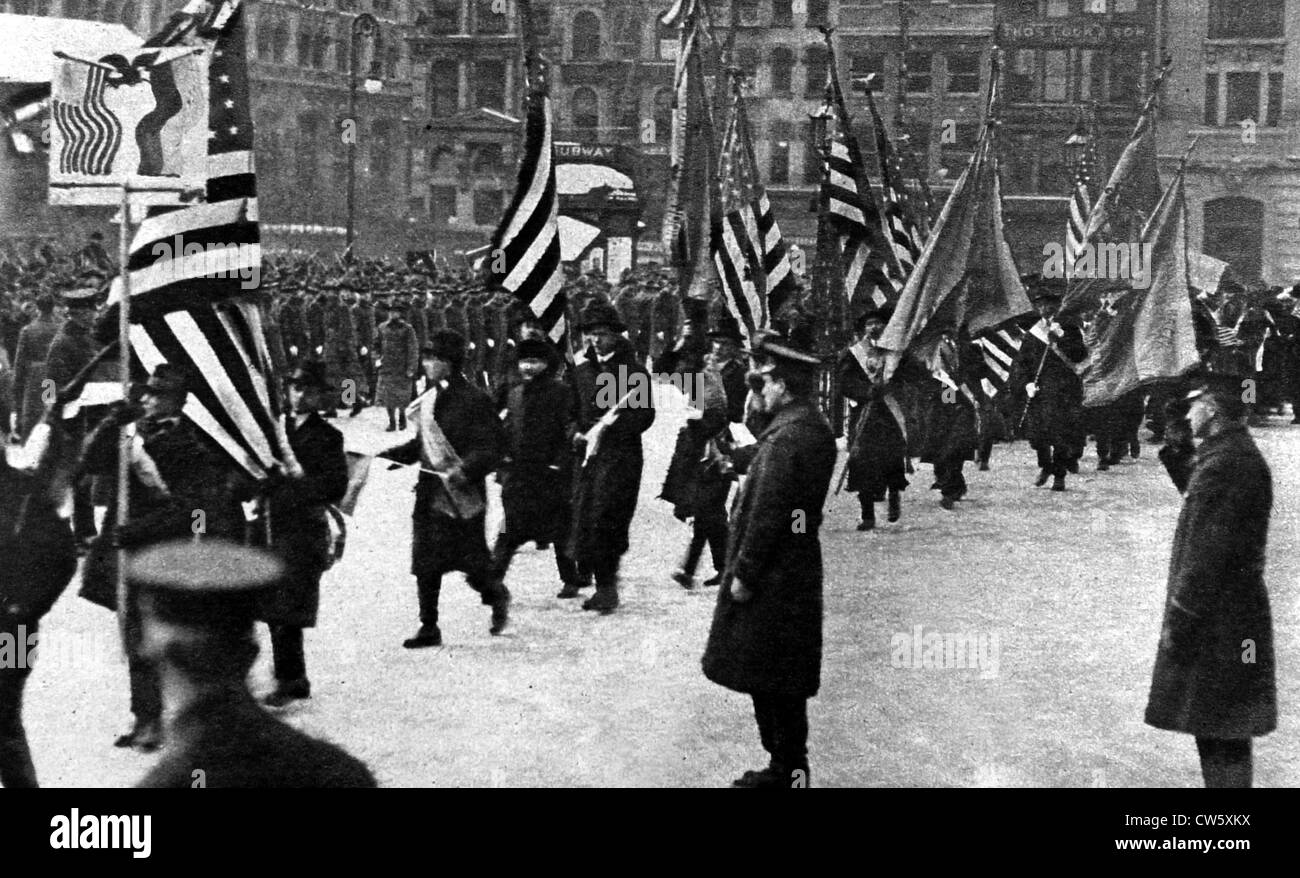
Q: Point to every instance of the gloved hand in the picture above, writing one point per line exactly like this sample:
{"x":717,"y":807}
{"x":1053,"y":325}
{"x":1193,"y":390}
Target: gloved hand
{"x":1031,"y":390}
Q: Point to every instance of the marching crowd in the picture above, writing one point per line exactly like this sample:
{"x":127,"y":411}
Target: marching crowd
{"x":487,"y":392}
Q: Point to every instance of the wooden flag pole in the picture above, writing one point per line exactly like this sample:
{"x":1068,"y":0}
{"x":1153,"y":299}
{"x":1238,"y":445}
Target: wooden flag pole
{"x":124,"y":372}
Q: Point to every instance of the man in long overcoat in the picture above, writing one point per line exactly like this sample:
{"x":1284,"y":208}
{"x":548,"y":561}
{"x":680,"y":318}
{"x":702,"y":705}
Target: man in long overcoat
{"x":607,"y":482}
{"x":72,"y":349}
{"x":399,"y":358}
{"x":34,"y":340}
{"x":951,"y":416}
{"x":537,"y":473}
{"x":1044,"y":376}
{"x":450,"y":517}
{"x":1214,"y":671}
{"x":299,"y":529}
{"x":766,"y":637}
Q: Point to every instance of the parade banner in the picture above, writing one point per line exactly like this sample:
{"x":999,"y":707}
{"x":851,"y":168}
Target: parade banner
{"x":138,"y":117}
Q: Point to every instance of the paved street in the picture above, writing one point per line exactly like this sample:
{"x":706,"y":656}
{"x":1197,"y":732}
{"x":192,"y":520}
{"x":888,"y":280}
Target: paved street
{"x":1064,"y":591}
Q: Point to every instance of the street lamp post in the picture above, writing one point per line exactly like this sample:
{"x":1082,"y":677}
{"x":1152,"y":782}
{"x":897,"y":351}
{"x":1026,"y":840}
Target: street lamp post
{"x":364,"y":25}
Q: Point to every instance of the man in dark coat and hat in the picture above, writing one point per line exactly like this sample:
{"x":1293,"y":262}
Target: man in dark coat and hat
{"x":1045,"y":375}
{"x":537,"y":472}
{"x":458,"y":443}
{"x":317,"y":477}
{"x":399,"y":359}
{"x":615,"y":405}
{"x":766,"y":637}
{"x":198,"y":604}
{"x":1214,"y":671}
{"x":29,"y":389}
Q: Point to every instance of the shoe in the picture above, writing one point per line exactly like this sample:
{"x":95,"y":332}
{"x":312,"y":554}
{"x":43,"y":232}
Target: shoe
{"x":895,"y":506}
{"x":329,"y":413}
{"x":356,"y":410}
{"x":684,"y":579}
{"x":1073,"y":466}
{"x":1134,"y":449}
{"x":714,"y":580}
{"x":765,"y":778}
{"x":984,"y":466}
{"x":867,"y":524}
{"x":604,"y":602}
{"x":391,"y":428}
{"x":401,"y":426}
{"x":1058,"y":483}
{"x":1103,"y":465}
{"x":570,"y":590}
{"x":543,"y":545}
{"x":146,"y":737}
{"x":288,"y":691}
{"x":427,"y":636}
{"x":948,"y":503}
{"x":1042,"y":478}
{"x":500,"y":614}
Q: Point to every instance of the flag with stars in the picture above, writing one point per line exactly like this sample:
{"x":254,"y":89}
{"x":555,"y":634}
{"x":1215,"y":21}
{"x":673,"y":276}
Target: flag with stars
{"x":193,"y":271}
{"x":749,"y":253}
{"x":900,"y":228}
{"x":1076,"y":227}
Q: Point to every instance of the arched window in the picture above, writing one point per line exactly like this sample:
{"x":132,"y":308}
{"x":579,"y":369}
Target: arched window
{"x":392,"y":62}
{"x":663,"y":115}
{"x":586,"y":36}
{"x":816,"y":58}
{"x":381,"y":154}
{"x":342,"y":47}
{"x":585,"y":109}
{"x":1234,"y":233}
{"x":782,"y":71}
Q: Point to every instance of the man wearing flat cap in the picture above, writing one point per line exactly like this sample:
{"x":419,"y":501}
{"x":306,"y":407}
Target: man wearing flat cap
{"x":1214,"y":670}
{"x":180,"y":486}
{"x":198,"y":603}
{"x":317,"y":477}
{"x":459,"y":441}
{"x":766,"y":637}
{"x":609,"y":467}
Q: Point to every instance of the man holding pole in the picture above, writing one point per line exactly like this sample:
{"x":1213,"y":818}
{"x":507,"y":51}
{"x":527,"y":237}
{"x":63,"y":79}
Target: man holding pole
{"x":608,"y":444}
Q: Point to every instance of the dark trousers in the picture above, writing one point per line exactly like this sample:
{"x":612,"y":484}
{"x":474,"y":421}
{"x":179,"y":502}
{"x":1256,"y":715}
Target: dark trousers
{"x":83,"y":509}
{"x":1225,"y":762}
{"x":783,"y":729}
{"x":503,"y":552}
{"x":947,"y":472}
{"x":146,"y":690}
{"x":430,"y":588}
{"x":287,"y":653}
{"x":707,"y":527}
{"x":1054,"y":458}
{"x":16,"y":768}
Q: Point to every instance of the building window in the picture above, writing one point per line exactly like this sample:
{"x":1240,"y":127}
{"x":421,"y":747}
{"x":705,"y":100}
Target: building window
{"x":1234,"y":19}
{"x":486,"y":157}
{"x":668,"y":41}
{"x":663,"y":115}
{"x":747,"y":11}
{"x":487,"y":206}
{"x":782,"y":71}
{"x":442,"y":204}
{"x":489,"y":20}
{"x":383,"y":7}
{"x":586,"y":36}
{"x":812,"y":158}
{"x":1242,"y":97}
{"x":1057,"y":8}
{"x":918,"y":72}
{"x":264,"y":34}
{"x":955,"y":155}
{"x":778,"y":166}
{"x":308,"y":152}
{"x":342,"y":44}
{"x":348,"y":5}
{"x":782,"y":13}
{"x":320,"y":51}
{"x":392,"y":62}
{"x":1124,"y":6}
{"x":818,"y":13}
{"x":1056,"y":75}
{"x":444,"y":88}
{"x":1274,"y":111}
{"x":444,"y":16}
{"x":1234,"y":233}
{"x":1212,"y":100}
{"x":381,"y":154}
{"x":864,"y":65}
{"x":1020,"y":81}
{"x":964,"y":73}
{"x":542,"y":17}
{"x":747,"y":61}
{"x":304,"y":49}
{"x":490,"y":84}
{"x":1125,"y":81}
{"x":815,"y":59}
{"x":586,"y":114}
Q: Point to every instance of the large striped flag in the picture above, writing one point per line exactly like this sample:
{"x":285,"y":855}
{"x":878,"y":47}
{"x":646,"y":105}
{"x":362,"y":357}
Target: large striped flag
{"x":872,"y":278}
{"x":900,"y":228}
{"x":190,"y":268}
{"x":752,"y":259}
{"x":999,"y":347}
{"x":92,"y":134}
{"x":525,"y":256}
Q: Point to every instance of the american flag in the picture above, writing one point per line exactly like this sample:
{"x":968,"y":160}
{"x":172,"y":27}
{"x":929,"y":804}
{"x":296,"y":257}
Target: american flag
{"x":751,"y":256}
{"x":525,"y":256}
{"x":191,"y":308}
{"x":999,"y":346}
{"x":847,"y":196}
{"x":673,"y":15}
{"x":1076,"y":228}
{"x":904,"y":238}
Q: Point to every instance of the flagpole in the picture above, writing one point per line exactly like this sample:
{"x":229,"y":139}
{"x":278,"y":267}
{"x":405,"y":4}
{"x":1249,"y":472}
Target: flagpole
{"x":124,"y":375}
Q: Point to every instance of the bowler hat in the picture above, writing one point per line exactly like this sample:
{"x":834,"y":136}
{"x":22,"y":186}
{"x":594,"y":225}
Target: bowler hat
{"x":600,"y":313}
